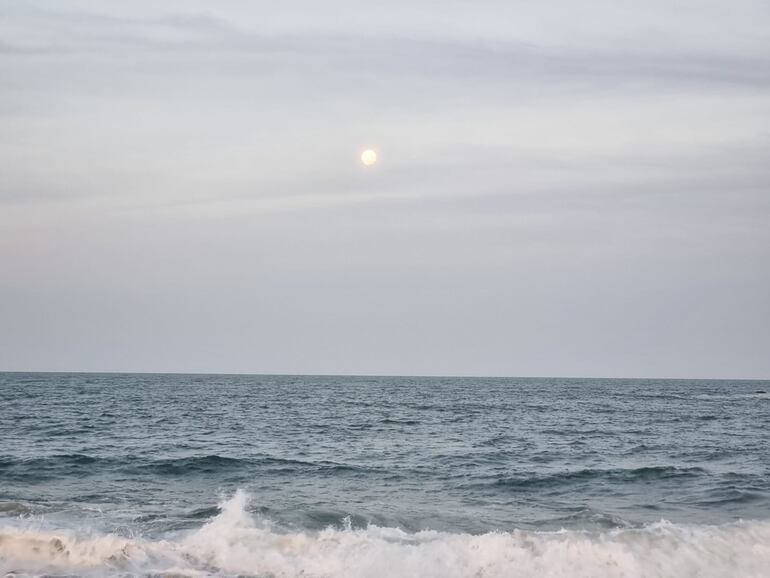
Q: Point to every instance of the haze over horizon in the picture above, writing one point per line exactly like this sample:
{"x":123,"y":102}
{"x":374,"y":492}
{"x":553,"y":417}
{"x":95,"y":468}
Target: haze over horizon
{"x":559,"y":189}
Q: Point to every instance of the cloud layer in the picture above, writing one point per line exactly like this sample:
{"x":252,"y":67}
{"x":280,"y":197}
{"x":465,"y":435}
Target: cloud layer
{"x":558,"y":193}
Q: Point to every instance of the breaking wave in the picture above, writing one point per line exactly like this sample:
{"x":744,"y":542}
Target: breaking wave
{"x":233,"y":543}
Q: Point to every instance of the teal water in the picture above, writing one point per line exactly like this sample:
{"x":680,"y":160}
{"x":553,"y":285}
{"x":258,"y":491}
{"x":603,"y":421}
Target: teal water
{"x":160,"y":460}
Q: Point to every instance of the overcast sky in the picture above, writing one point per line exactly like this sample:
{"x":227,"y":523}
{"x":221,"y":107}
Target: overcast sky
{"x":563,"y":188}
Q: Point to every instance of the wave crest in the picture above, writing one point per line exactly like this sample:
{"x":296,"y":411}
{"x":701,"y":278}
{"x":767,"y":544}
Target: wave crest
{"x":235,"y":543}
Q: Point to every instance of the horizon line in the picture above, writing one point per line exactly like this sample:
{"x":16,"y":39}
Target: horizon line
{"x":381,"y":375}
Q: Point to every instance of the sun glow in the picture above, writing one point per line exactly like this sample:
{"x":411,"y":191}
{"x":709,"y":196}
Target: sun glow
{"x":368,"y":157}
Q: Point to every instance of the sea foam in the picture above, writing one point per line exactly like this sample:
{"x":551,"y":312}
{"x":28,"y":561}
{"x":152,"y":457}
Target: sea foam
{"x":235,"y":543}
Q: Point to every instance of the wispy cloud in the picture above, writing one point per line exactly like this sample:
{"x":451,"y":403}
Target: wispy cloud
{"x":31,"y":30}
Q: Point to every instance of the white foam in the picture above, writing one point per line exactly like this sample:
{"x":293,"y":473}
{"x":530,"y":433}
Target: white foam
{"x":234,"y":543}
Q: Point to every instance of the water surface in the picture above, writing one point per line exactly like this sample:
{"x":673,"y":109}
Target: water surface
{"x":165,"y":460}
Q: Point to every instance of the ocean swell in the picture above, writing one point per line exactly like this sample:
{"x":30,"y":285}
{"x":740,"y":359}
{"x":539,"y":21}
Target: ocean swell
{"x":234,"y":543}
{"x":591,"y":475}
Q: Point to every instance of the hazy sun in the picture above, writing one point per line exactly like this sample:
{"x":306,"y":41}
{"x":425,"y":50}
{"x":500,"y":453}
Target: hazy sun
{"x":368,"y":157}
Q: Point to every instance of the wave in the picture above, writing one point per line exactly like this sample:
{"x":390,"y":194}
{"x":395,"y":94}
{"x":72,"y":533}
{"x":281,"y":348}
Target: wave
{"x":617,"y":475}
{"x":194,"y":464}
{"x":69,"y":459}
{"x":12,"y":468}
{"x":16,"y":508}
{"x":233,"y":543}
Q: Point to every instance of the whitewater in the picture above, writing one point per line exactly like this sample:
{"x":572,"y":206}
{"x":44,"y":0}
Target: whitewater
{"x":236,"y":544}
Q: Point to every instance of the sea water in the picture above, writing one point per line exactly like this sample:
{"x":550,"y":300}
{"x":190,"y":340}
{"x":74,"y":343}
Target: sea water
{"x":238,"y":475}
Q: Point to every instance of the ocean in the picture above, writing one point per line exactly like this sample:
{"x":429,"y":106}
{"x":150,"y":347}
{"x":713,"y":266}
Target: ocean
{"x":353,"y":477}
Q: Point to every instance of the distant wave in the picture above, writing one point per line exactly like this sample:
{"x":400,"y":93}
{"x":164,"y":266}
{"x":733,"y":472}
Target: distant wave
{"x":81,"y":464}
{"x":216,"y":464}
{"x":235,"y":544}
{"x":182,"y":466}
{"x":624,"y":475}
{"x":74,"y":459}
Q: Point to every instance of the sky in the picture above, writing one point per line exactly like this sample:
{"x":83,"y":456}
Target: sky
{"x":562,"y":188}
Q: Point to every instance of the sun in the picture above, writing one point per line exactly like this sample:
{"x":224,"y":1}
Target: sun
{"x":368,"y":157}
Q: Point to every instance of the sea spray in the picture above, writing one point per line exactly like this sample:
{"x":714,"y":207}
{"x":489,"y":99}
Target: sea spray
{"x":235,"y":543}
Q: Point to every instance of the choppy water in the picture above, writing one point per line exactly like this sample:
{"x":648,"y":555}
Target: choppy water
{"x":397,"y":476}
